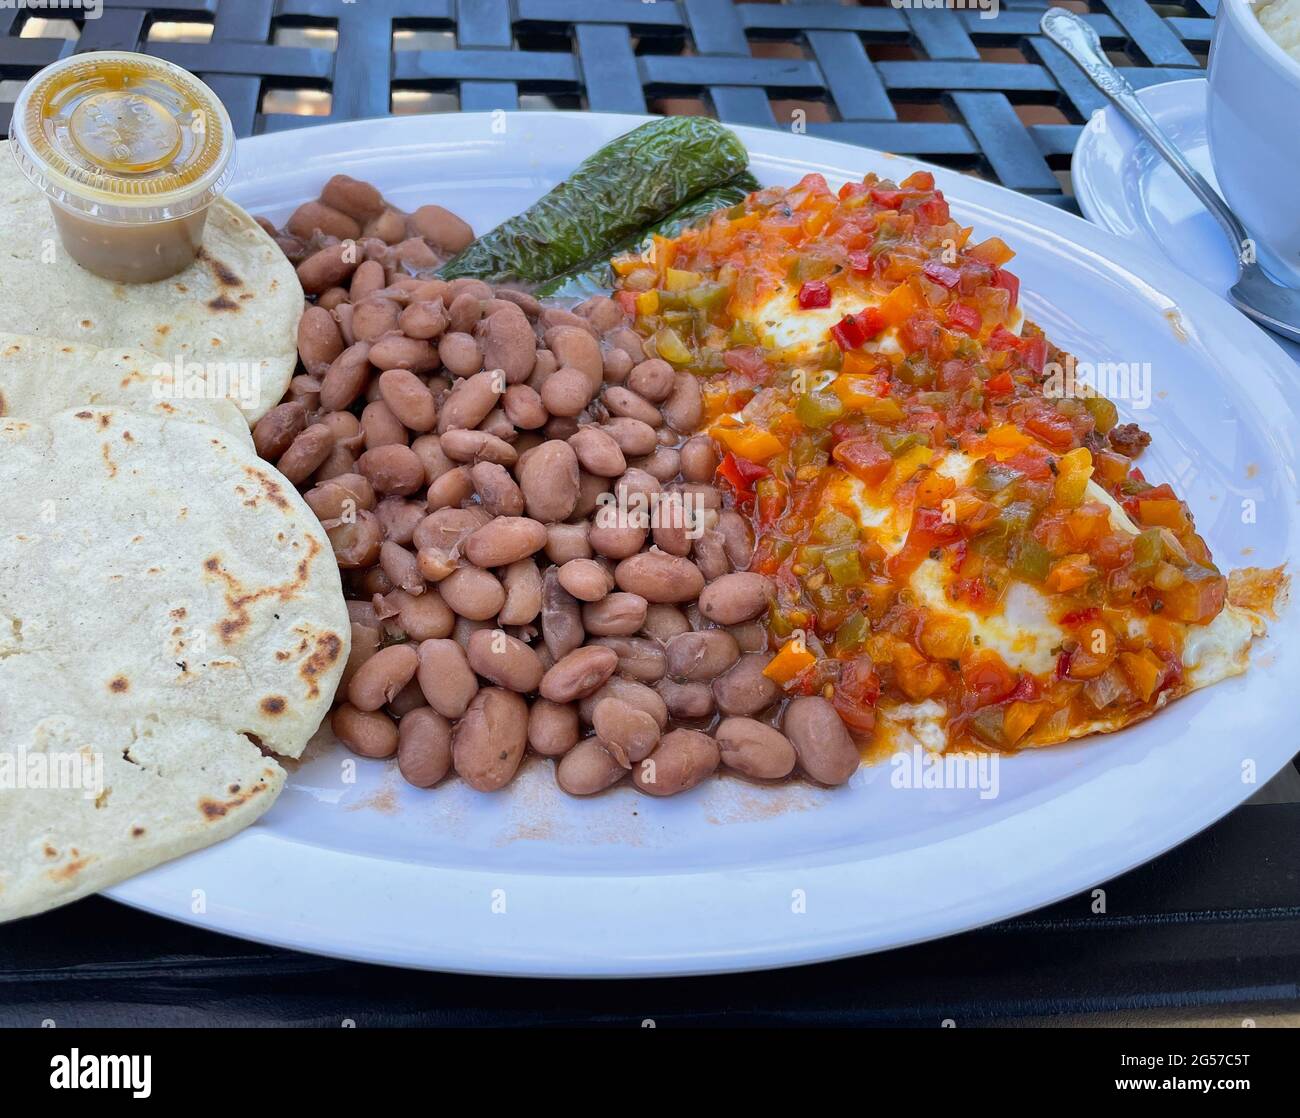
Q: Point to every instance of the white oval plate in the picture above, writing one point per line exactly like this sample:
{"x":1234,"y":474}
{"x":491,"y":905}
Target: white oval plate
{"x":730,"y":876}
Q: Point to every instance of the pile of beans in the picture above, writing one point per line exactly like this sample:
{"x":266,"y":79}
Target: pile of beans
{"x":461,"y":444}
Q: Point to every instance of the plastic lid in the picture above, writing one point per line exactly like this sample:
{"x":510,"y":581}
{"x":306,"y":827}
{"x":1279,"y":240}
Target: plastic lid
{"x":123,"y":137}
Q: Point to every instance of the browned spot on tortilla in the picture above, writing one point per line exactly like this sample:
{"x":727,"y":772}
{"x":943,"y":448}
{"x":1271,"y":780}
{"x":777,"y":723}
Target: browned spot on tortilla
{"x":238,"y":599}
{"x":108,"y":461}
{"x":282,"y":656}
{"x":137,"y":831}
{"x":224,"y":275}
{"x":127,"y":437}
{"x":70,"y":870}
{"x":215,"y":809}
{"x":221,"y":303}
{"x":179,"y":613}
{"x":2,"y":403}
{"x":50,"y":852}
{"x":119,"y":684}
{"x":246,"y":296}
{"x":66,"y":349}
{"x":83,"y":415}
{"x":164,"y":329}
{"x":233,"y":789}
{"x":329,"y":646}
{"x":86,"y":323}
{"x":182,"y":288}
{"x":273,"y":489}
{"x":104,"y":420}
{"x":12,"y":349}
{"x":273,"y":705}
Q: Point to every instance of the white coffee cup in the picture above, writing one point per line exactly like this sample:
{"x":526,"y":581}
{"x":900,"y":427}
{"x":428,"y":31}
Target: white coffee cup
{"x":1254,"y":134}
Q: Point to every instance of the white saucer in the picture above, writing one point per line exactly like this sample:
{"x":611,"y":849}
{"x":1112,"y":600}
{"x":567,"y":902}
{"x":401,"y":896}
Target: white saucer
{"x":1124,"y":186}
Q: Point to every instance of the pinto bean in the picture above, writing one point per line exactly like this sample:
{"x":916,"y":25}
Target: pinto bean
{"x":464,"y":312}
{"x":368,"y":733}
{"x":638,"y":658}
{"x":734,"y":598}
{"x":496,"y":489}
{"x":633,"y":437}
{"x":635,"y":694}
{"x":365,"y":643}
{"x":423,"y":747}
{"x":745,"y":690}
{"x":392,"y":469}
{"x":380,"y":427}
{"x":447,"y":680}
{"x":701,"y":657}
{"x":615,"y":615}
{"x":425,"y":321}
{"x":436,"y":463}
{"x":400,"y":566}
{"x":682,"y":759}
{"x":276,"y":430}
{"x":737,"y":538}
{"x":473,"y":593}
{"x":710,"y":554}
{"x":460,"y":354}
{"x":578,"y":349}
{"x":617,"y":533}
{"x":382,"y":676}
{"x":628,"y":733}
{"x":561,"y":617}
{"x":586,"y":579}
{"x":597,"y":452}
{"x":327,"y":268}
{"x":625,"y":403}
{"x":447,"y":528}
{"x":356,"y":542}
{"x":488,"y":742}
{"x":421,"y":617}
{"x":565,"y":542}
{"x":578,"y":673}
{"x":449,"y":489}
{"x":566,"y":392}
{"x":315,"y":217}
{"x":524,"y":407}
{"x":663,"y":465}
{"x":588,"y":768}
{"x":672,"y":531}
{"x":505,"y":540}
{"x":754,"y":748}
{"x":552,"y":727}
{"x":346,"y":377}
{"x":357,"y":199}
{"x":374,"y":317}
{"x":408,"y":399}
{"x":652,"y":379}
{"x":463,"y":445}
{"x":659,"y":577}
{"x":549,"y":480}
{"x":470,"y":401}
{"x":663,"y":622}
{"x":616,"y":365}
{"x":396,"y":351}
{"x":366,"y":280}
{"x":523,"y":586}
{"x":319,"y":340}
{"x":442,"y":228}
{"x":509,"y":344}
{"x":341,"y":495}
{"x":307,"y":451}
{"x":826,"y":752}
{"x":592,"y":490}
{"x":684,"y":408}
{"x":505,"y":660}
{"x":699,"y":459}
{"x":688,"y":701}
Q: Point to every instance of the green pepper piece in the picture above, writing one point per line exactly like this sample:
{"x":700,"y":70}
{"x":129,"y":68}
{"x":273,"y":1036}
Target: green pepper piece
{"x":631,"y":182}
{"x":1148,"y":551}
{"x":742,"y":333}
{"x":833,"y":527}
{"x":709,"y":296}
{"x":818,"y":409}
{"x":898,"y":442}
{"x":853,"y":633}
{"x":668,"y":344}
{"x":1033,"y":560}
{"x":843,"y":565}
{"x":991,"y":477}
{"x":986,"y":724}
{"x":593,"y":277}
{"x":1104,"y":414}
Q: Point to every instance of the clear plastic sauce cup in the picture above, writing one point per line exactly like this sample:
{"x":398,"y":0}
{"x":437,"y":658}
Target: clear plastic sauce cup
{"x":130,"y":151}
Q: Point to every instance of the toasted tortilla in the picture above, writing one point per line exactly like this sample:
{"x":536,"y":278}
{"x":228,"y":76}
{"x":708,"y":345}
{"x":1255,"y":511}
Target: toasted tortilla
{"x":170,"y":609}
{"x":236,"y":306}
{"x":40,"y":377}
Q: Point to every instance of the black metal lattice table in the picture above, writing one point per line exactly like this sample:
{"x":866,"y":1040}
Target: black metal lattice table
{"x":1210,"y":931}
{"x":988,"y":95}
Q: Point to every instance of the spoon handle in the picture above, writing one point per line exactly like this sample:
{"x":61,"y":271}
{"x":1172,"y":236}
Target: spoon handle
{"x":1069,"y":32}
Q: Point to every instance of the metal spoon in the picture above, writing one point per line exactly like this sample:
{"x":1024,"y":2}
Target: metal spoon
{"x":1254,"y":293}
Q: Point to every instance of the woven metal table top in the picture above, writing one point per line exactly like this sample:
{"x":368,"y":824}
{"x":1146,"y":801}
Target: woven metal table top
{"x":979,"y":90}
